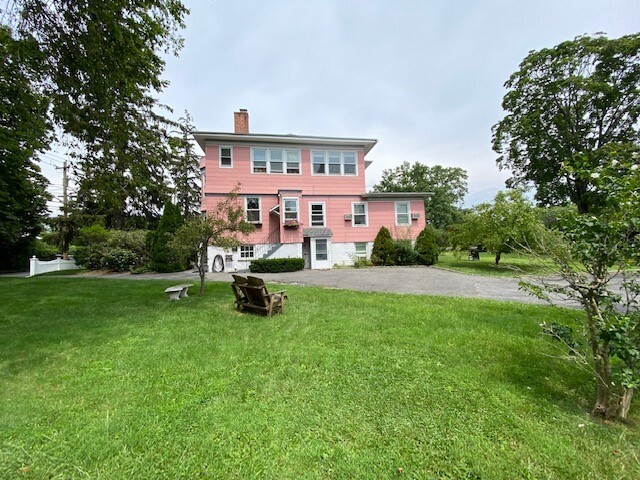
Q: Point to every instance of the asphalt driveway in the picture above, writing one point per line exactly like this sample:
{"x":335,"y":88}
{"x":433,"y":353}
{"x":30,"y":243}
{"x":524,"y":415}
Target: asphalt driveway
{"x":411,"y":280}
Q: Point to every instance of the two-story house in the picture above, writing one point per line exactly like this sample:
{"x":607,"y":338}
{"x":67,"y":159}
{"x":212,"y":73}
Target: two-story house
{"x":305,"y":195}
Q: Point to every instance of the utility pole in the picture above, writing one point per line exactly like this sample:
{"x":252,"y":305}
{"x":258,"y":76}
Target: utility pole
{"x":64,"y":228}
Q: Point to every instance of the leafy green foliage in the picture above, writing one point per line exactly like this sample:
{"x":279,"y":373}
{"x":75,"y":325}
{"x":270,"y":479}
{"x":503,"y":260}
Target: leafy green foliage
{"x":448,"y":186}
{"x":384,"y":250}
{"x":426,"y":246}
{"x":507,"y":222}
{"x":276,"y":265}
{"x":404,"y":253}
{"x":117,"y":250}
{"x":563,"y":107}
{"x":23,"y":132}
{"x":101,"y":63}
{"x":185,"y":169}
{"x":161,"y":259}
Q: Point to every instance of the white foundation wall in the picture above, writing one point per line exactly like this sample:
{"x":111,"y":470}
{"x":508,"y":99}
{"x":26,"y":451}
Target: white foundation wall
{"x":345,"y":253}
{"x":288,"y":250}
{"x":233,"y":262}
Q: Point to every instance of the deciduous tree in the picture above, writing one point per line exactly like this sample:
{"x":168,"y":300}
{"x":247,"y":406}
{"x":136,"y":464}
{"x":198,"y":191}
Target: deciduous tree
{"x":221,"y":227}
{"x":23,"y":132}
{"x":448,"y":186}
{"x":563,"y":106}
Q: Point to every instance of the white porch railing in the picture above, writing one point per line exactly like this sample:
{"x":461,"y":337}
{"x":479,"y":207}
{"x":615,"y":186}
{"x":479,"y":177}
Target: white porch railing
{"x":36,"y":267}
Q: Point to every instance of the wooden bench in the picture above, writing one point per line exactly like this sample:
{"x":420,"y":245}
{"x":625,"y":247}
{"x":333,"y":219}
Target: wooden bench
{"x":178,"y":291}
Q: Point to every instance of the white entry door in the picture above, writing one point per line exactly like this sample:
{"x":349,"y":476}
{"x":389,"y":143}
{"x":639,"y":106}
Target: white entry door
{"x":320,"y":253}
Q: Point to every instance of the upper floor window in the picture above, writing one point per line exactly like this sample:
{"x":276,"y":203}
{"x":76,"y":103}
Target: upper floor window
{"x":252,"y":209}
{"x":290,"y":209}
{"x":316,"y":214}
{"x":403,"y":215}
{"x":226,"y":157}
{"x":359,"y":212}
{"x":275,"y":160}
{"x":333,"y":162}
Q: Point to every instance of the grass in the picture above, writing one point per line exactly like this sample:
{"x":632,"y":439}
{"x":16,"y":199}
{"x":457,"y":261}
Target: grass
{"x":104,"y":378}
{"x":511,"y":264}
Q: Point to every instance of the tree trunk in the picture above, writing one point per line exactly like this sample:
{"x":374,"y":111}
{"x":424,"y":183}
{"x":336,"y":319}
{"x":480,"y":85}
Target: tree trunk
{"x":202,"y":270}
{"x":498,"y":255}
{"x":625,"y":402}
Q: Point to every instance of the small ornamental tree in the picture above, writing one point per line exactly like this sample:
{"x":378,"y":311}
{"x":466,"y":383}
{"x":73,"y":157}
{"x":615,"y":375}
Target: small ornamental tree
{"x":161,"y":258}
{"x":426,"y":246}
{"x":384,"y":249}
{"x":593,"y":255}
{"x":220,"y":227}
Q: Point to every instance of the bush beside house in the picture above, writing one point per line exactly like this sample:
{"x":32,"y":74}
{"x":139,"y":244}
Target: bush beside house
{"x":276,"y":265}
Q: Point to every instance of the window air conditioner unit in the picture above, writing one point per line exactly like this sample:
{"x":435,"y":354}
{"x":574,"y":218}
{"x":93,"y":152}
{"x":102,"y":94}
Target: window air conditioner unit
{"x":348,"y":217}
{"x":415,"y":216}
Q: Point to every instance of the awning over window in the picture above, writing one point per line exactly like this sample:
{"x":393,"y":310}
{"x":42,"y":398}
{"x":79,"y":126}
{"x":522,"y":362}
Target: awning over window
{"x":317,"y":232}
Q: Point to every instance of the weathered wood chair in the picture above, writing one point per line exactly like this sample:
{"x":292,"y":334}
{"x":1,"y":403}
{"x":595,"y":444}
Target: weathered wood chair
{"x":241,"y":298}
{"x":256,"y":296}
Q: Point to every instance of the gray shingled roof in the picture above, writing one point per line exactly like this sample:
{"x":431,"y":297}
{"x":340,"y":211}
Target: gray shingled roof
{"x":317,"y":232}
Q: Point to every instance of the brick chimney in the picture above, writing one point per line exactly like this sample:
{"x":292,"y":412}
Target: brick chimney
{"x":241,"y":121}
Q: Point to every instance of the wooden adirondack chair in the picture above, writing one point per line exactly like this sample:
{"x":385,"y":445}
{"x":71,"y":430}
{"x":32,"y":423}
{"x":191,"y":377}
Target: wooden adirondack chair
{"x":241,"y":298}
{"x":257,"y":298}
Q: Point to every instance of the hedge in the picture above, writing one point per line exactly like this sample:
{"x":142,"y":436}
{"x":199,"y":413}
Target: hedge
{"x":276,"y":265}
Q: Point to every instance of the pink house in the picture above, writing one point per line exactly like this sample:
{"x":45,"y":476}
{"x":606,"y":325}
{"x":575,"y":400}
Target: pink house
{"x":305,"y":195}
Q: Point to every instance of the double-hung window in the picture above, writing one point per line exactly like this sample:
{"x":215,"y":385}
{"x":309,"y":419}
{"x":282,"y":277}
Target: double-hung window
{"x":361,"y":249}
{"x":359,"y":214}
{"x":333,"y":162}
{"x":316,"y":214}
{"x":259,"y":160}
{"x":349,"y":163}
{"x":403,"y":215}
{"x":252,"y":209}
{"x":290,"y":209}
{"x":226,"y":157}
{"x":293,"y":161}
{"x":318,"y":162}
{"x":275,"y":160}
{"x":321,"y":249}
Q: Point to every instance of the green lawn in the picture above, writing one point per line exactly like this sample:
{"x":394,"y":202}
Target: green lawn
{"x":511,"y":264}
{"x":106,"y":379}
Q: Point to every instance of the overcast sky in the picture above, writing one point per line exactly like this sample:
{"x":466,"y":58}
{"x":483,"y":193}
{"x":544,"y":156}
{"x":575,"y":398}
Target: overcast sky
{"x":425,"y":78}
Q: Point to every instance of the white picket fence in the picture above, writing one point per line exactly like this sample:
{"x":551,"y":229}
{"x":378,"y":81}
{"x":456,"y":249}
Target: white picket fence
{"x":36,"y":267}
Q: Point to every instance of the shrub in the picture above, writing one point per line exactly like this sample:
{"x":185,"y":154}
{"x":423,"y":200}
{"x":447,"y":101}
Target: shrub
{"x":110,"y":249}
{"x":44,"y":251}
{"x":384,"y":250}
{"x":276,"y":265}
{"x":405,"y":254}
{"x":426,"y":247}
{"x":362,"y":263}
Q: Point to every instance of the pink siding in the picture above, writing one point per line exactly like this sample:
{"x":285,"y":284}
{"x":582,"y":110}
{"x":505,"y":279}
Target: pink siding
{"x":222,"y":180}
{"x":337,"y":192}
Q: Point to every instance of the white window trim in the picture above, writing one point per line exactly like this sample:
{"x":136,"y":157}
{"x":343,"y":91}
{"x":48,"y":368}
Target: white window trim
{"x":324,"y":214}
{"x":353,"y":214}
{"x":284,"y":151}
{"x":259,"y":208}
{"x":395,"y":211}
{"x":355,"y":249}
{"x":326,"y":243}
{"x":284,"y":210}
{"x":326,"y":163}
{"x":220,"y":147}
{"x":250,"y":248}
